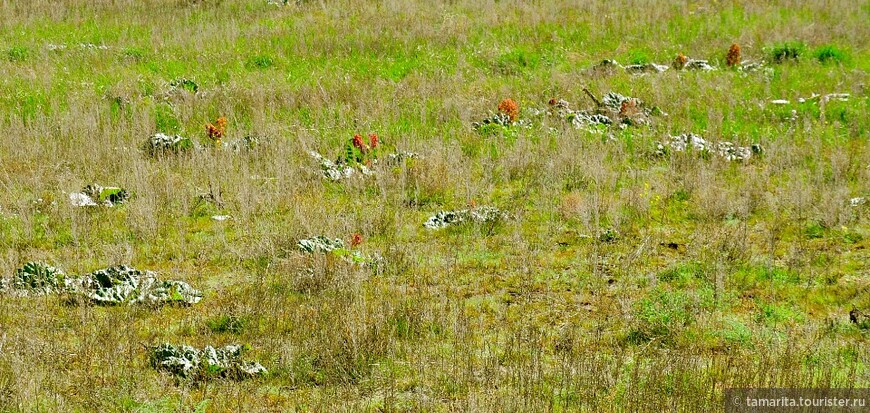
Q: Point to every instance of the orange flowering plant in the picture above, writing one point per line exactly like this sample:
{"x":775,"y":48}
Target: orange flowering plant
{"x":733,"y":58}
{"x":216,"y":131}
{"x":510,"y":108}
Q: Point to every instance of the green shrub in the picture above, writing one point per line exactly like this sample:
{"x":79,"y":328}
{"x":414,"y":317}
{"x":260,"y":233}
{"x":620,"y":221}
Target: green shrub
{"x":17,"y":53}
{"x":227,"y":324}
{"x":829,"y":54}
{"x":637,"y":57}
{"x":164,"y":119}
{"x":133,"y":53}
{"x":261,"y":62}
{"x":661,"y":314}
{"x":783,"y":52}
{"x":683,"y":274}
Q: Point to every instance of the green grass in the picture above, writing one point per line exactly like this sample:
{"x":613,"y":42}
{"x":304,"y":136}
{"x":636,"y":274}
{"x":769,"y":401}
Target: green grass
{"x":623,"y":281}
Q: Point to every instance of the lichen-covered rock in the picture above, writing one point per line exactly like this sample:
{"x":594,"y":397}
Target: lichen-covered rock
{"x":337,"y":247}
{"x":731,"y":152}
{"x":581,"y":120}
{"x":336,"y":171}
{"x":192,"y":363}
{"x":402,"y":156}
{"x":614,"y":101}
{"x":332,"y":170}
{"x":160,"y":143}
{"x":479,"y":215}
{"x":319,"y":243}
{"x":606,"y":67}
{"x":126,"y":285}
{"x":95,"y":195}
{"x":35,"y":279}
{"x":646,"y":68}
{"x":500,"y":119}
{"x":443,"y":219}
{"x":694,"y":64}
{"x":109,"y":286}
{"x":689,"y":142}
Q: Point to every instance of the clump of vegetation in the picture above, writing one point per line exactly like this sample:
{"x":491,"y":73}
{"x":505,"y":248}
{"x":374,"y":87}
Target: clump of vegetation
{"x":17,"y":53}
{"x":680,"y":61}
{"x":661,"y":315}
{"x":215,"y":132}
{"x":507,"y":115}
{"x":733,"y":58}
{"x":185,"y":84}
{"x":261,"y":62}
{"x":621,"y":281}
{"x":509,"y":108}
{"x":94,"y":195}
{"x":637,"y":57}
{"x":787,"y":51}
{"x":830,"y":54}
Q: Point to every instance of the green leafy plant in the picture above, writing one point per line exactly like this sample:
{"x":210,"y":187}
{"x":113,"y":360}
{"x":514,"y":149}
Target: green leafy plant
{"x":17,"y":53}
{"x":787,"y":51}
{"x":829,"y":54}
{"x":261,"y":62}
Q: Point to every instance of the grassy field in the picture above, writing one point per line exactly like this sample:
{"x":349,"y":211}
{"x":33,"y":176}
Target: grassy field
{"x":621,"y":281}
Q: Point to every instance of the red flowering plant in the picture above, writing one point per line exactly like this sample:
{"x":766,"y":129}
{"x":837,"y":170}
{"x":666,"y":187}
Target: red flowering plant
{"x":357,"y":151}
{"x":356,"y":239}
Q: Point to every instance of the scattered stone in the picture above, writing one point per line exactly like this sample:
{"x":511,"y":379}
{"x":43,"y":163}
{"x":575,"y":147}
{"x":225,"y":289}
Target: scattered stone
{"x":750,"y":67}
{"x":683,"y":142}
{"x":332,"y":170}
{"x":780,"y":102}
{"x":731,"y":152}
{"x":220,"y":218}
{"x":613,"y":108}
{"x":582,"y":120}
{"x":192,"y":363}
{"x":125,"y":285}
{"x":319,"y":243}
{"x":499,"y":119}
{"x":160,"y":143}
{"x":337,"y":247}
{"x":479,"y":215}
{"x":841,"y":97}
{"x":95,"y":195}
{"x":606,"y":67}
{"x":34,"y":279}
{"x":91,"y":46}
{"x":693,"y":64}
{"x":692,"y":142}
{"x":109,"y":286}
{"x":614,"y":101}
{"x":857,"y":201}
{"x":646,"y":68}
{"x":402,"y":156}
